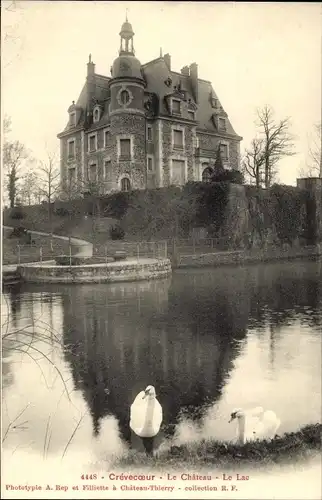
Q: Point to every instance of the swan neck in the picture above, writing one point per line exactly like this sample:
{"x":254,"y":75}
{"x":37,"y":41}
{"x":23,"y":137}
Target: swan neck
{"x":241,"y":429}
{"x":149,"y":411}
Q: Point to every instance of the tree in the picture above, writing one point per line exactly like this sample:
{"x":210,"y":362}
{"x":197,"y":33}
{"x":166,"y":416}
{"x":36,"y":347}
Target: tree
{"x":277,"y":142}
{"x":218,"y":167}
{"x":315,"y":152}
{"x":49,"y":180}
{"x":252,"y":164}
{"x":14,"y":154}
{"x":28,"y":189}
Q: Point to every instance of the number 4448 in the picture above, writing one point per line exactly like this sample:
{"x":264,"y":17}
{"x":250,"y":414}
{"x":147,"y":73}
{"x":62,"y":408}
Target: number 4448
{"x":89,"y":476}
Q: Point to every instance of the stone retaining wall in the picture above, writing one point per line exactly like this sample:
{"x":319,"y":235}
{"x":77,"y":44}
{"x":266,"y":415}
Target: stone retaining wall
{"x":240,"y":257}
{"x":135,"y":270}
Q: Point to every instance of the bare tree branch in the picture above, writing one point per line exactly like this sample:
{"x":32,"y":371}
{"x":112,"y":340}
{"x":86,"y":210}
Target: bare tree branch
{"x":253,"y":161}
{"x":278,"y":141}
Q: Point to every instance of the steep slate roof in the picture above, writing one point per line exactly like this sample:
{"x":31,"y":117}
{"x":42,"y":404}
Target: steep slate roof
{"x":156,"y":72}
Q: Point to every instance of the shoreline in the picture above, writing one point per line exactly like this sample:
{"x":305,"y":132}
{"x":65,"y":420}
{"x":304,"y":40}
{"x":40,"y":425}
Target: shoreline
{"x":292,"y":447}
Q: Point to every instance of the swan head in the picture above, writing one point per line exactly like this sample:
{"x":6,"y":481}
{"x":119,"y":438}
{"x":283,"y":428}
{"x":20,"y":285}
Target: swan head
{"x":236,"y":413}
{"x":149,"y":391}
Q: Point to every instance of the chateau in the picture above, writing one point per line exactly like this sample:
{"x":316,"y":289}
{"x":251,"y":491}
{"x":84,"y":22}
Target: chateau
{"x":145,"y":126}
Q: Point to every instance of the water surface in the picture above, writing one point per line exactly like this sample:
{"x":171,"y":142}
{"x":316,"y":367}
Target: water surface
{"x":209,"y":340}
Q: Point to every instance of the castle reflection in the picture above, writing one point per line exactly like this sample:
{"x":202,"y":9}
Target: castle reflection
{"x":183,"y":335}
{"x":123,"y":337}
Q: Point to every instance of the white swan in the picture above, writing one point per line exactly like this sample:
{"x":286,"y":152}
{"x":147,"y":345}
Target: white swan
{"x":146,"y":417}
{"x":255,"y":424}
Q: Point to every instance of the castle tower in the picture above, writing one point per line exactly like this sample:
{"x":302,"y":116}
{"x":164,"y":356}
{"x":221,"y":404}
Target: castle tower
{"x":128,"y":122}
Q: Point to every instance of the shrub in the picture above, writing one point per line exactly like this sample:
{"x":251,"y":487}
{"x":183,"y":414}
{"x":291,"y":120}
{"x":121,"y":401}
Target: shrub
{"x":17,"y":213}
{"x":234,"y":176}
{"x":61,"y":211}
{"x":18,"y":232}
{"x":117,"y":204}
{"x":117,"y":233}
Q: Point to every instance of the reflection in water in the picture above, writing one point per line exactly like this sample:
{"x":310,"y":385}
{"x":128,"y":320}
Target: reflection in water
{"x":185,"y":348}
{"x":208,"y":340}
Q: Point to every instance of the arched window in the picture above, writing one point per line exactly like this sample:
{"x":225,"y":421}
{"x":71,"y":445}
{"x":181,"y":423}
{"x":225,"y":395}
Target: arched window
{"x":206,"y":174}
{"x":124,"y":97}
{"x":125,"y":184}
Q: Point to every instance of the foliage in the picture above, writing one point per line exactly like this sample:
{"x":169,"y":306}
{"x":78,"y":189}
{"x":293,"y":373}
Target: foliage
{"x":61,"y":211}
{"x":116,"y":204}
{"x":17,"y":213}
{"x":286,"y":211}
{"x":13,"y":155}
{"x":218,"y":167}
{"x":17,"y":232}
{"x":28,"y":189}
{"x":117,"y":232}
{"x":234,"y":176}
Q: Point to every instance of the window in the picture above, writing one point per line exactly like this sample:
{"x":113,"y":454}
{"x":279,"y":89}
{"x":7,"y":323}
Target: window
{"x":149,"y":133}
{"x":176,"y":109}
{"x":206,"y":174}
{"x":71,"y":149}
{"x":178,"y":139}
{"x":96,"y":115}
{"x":150,"y":164}
{"x":106,"y":138}
{"x":92,"y":142}
{"x":124,"y":97}
{"x":72,"y":119}
{"x":224,"y":151}
{"x":125,"y":184}
{"x":92,"y":172}
{"x":178,"y":172}
{"x":191,"y":115}
{"x":221,"y":123}
{"x":125,"y":148}
{"x":107,"y":169}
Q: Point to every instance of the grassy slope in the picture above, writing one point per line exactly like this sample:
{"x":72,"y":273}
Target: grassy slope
{"x":295,"y":447}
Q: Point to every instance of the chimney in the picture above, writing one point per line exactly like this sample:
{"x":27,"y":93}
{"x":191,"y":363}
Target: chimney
{"x":185,"y":71}
{"x":90,"y":80}
{"x":194,"y":80}
{"x":167,"y":60}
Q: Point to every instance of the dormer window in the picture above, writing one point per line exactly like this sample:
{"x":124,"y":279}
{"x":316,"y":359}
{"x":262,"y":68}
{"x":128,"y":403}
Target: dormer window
{"x":96,"y":114}
{"x":72,"y":119}
{"x":191,"y":115}
{"x":176,"y":107}
{"x":222,"y":124}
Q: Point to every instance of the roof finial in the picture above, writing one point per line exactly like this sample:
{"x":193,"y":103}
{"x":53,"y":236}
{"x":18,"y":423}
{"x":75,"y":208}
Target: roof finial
{"x":126,"y":10}
{"x":90,"y":58}
{"x":161,"y":52}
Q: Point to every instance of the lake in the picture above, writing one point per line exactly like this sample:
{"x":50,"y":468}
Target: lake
{"x":209,"y":340}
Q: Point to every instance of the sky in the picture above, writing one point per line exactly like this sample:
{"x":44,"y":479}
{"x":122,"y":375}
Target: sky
{"x":253,"y":53}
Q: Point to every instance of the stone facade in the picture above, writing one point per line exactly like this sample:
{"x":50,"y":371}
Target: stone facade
{"x":145,"y":126}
